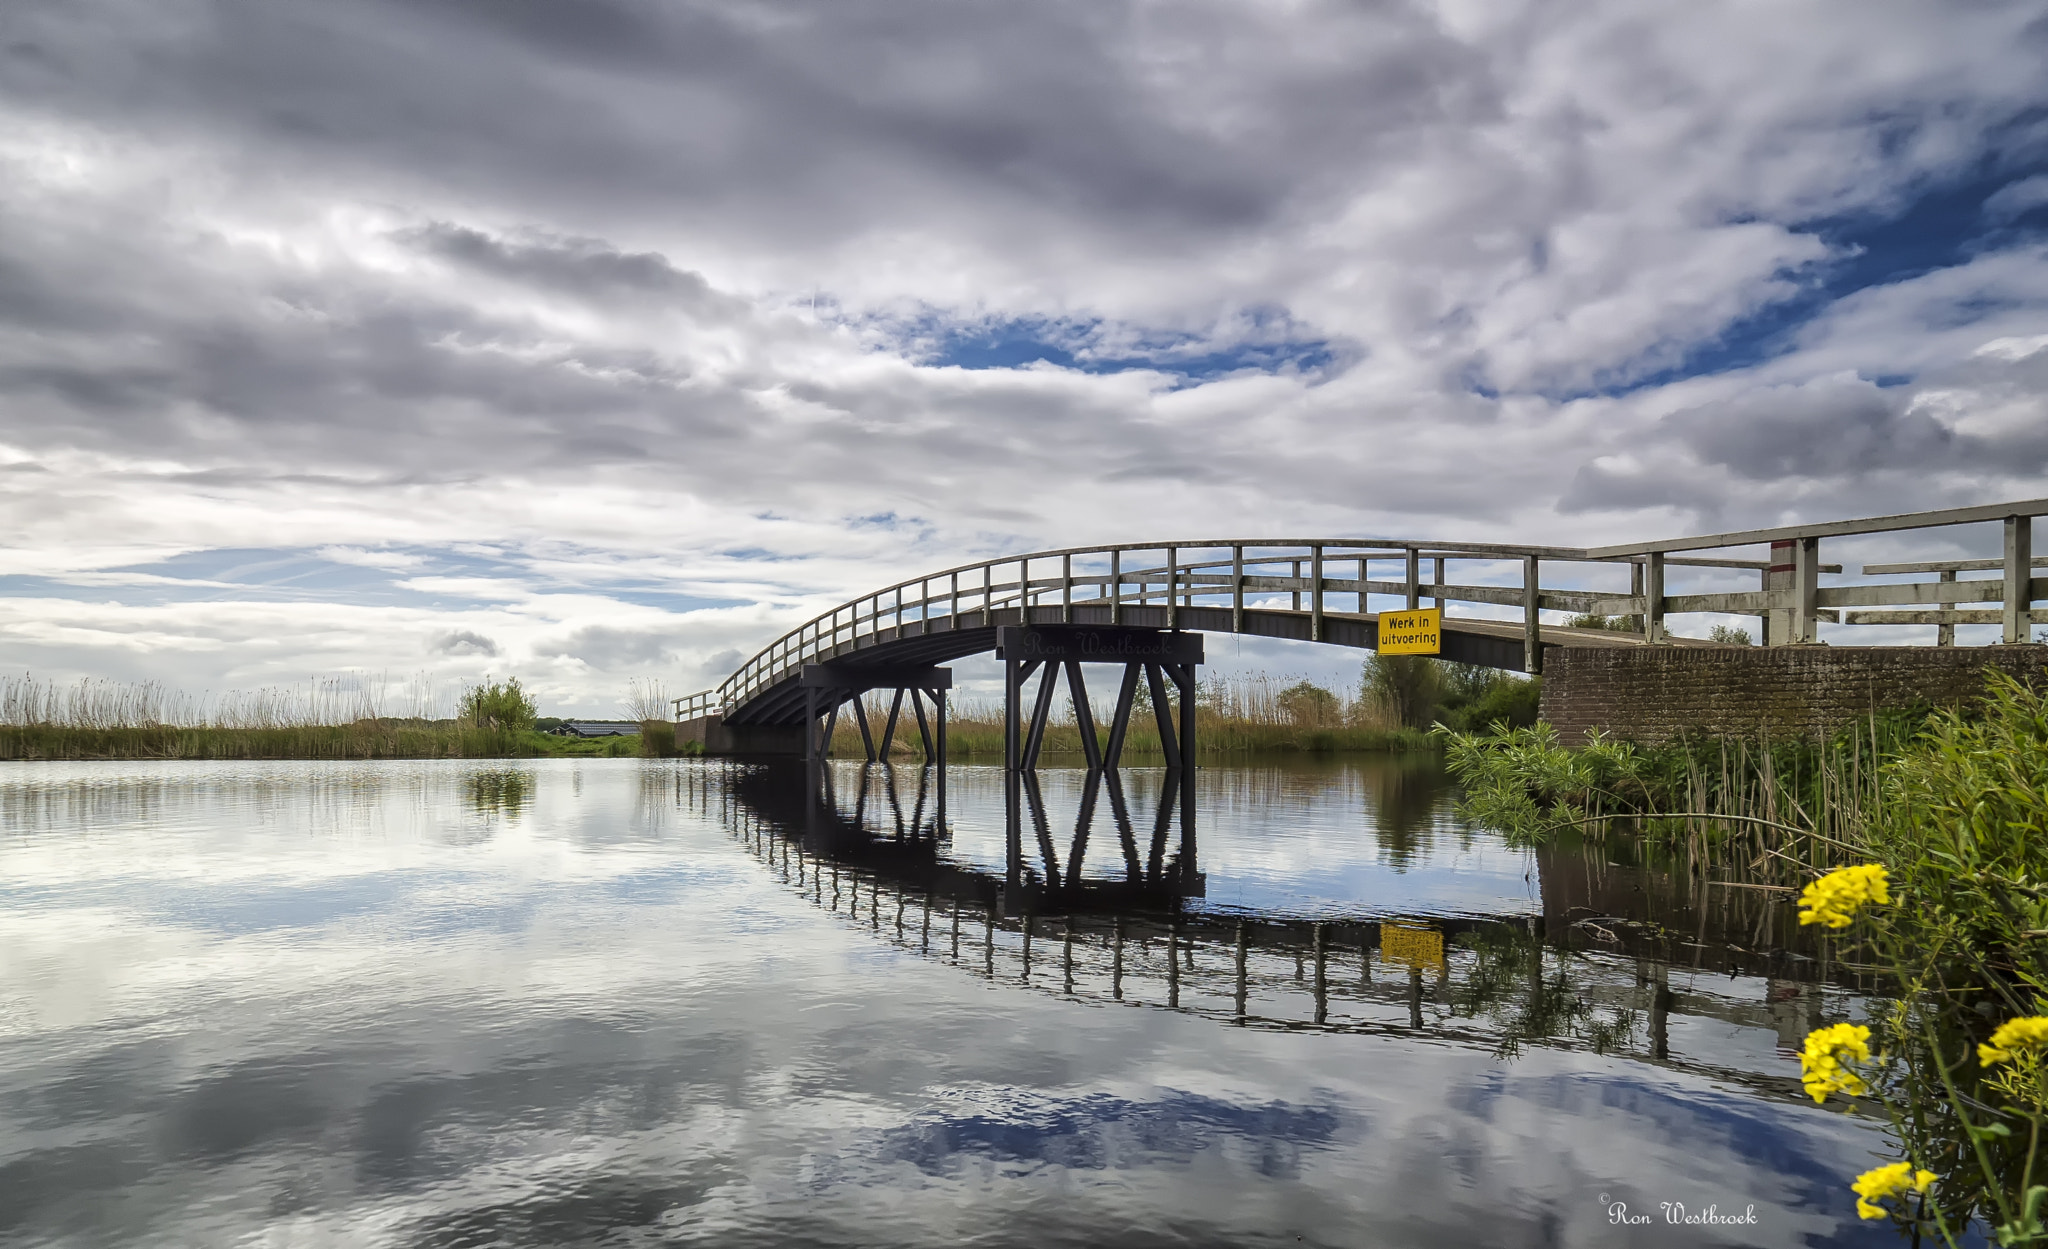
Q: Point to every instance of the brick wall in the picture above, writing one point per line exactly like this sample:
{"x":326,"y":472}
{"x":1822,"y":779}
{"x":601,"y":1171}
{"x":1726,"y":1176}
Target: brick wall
{"x":1650,"y":693}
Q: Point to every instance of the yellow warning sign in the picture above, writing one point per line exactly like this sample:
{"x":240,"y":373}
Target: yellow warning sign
{"x":1413,"y":945}
{"x":1418,"y":632}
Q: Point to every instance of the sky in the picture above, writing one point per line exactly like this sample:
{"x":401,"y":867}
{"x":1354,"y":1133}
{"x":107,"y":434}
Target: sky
{"x":600,"y":341}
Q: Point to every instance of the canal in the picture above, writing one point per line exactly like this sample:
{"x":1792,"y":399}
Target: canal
{"x":646,"y":1002}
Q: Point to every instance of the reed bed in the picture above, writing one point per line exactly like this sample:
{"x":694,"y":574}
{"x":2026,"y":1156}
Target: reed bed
{"x":362,"y":739}
{"x":1234,"y":715}
{"x":1777,"y":810}
{"x":352,"y":716}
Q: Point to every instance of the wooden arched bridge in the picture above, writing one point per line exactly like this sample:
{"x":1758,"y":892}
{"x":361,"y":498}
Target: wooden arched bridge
{"x":1119,"y":603}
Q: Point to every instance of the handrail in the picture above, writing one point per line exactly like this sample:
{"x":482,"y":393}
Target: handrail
{"x":1834,"y":528}
{"x":1049,"y":578}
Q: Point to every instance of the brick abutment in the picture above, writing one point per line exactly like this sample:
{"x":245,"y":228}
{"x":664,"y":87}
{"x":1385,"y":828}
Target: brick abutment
{"x":1652,"y":694}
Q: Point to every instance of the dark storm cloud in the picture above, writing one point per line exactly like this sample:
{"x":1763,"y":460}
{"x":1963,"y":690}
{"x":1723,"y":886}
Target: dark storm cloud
{"x":813,"y":116}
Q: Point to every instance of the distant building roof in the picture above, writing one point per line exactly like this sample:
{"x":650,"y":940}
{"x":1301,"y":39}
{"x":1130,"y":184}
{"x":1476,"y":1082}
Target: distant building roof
{"x":599,"y":728}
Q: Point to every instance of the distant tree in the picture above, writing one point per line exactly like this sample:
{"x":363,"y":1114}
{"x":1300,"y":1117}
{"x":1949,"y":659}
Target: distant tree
{"x":1613,"y":624}
{"x":1733,"y":635}
{"x":1472,"y":697}
{"x":1409,"y":686}
{"x":1308,"y":706}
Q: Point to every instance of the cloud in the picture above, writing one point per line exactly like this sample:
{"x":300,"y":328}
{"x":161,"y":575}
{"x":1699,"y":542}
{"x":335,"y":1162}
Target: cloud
{"x":587,"y":268}
{"x":652,"y":302}
{"x":609,"y":650}
{"x":2015,"y":199}
{"x":393,"y":560}
{"x":462,"y":642}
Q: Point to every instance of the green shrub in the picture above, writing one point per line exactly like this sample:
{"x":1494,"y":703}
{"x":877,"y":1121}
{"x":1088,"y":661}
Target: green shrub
{"x":499,"y":705}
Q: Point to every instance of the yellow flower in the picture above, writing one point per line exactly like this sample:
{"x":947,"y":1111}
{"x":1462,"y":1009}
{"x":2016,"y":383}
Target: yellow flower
{"x":1821,"y":1067}
{"x":1835,"y":898}
{"x":1888,"y":1181}
{"x":2025,"y":1035}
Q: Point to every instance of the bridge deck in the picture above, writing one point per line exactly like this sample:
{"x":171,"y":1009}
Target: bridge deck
{"x":1226,"y":585}
{"x":1494,"y":643}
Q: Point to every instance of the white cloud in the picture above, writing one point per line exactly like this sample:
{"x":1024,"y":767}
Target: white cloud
{"x":393,"y":560}
{"x":633,"y":324}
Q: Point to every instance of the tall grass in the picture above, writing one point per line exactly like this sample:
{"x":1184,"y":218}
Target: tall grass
{"x":1234,"y":715}
{"x":98,"y":703}
{"x":336,"y":717}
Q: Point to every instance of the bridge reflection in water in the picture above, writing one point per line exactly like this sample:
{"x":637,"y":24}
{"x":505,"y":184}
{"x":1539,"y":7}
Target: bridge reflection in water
{"x":1641,"y":960}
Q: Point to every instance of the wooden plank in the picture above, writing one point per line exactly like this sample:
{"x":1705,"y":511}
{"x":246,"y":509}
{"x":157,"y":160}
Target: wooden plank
{"x":1738,"y":602}
{"x":1963,"y":616}
{"x":1830,"y":529}
{"x":1915,"y":592}
{"x":1945,"y":565}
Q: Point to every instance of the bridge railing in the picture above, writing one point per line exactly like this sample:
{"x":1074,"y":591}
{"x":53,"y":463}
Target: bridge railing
{"x":1327,"y":577}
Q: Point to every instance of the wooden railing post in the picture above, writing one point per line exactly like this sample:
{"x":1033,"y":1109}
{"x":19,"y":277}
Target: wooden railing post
{"x":2017,"y":611}
{"x":1806,"y":591}
{"x":1315,"y":602}
{"x":1438,"y":582}
{"x":1116,"y":587}
{"x":1532,"y":619}
{"x":1237,"y":589}
{"x":1945,"y":634}
{"x":1172,"y":579}
{"x":1781,"y":579}
{"x":1414,"y":573}
{"x":1067,"y":589}
{"x":1653,"y":597}
{"x":954,"y":613}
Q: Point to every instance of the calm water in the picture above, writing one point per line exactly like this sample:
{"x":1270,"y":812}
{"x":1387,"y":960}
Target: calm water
{"x":627,"y":1002}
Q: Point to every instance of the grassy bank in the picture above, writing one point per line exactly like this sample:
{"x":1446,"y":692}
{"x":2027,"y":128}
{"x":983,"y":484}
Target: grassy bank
{"x":355,"y":740}
{"x":328,"y":718}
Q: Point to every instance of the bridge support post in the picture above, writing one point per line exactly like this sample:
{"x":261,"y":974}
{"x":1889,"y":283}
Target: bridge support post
{"x":1056,"y":652}
{"x":827,"y":687}
{"x":1152,"y":656}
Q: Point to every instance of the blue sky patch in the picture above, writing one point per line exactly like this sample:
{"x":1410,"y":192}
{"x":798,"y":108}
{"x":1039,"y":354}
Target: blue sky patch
{"x":1265,"y":340}
{"x":1947,"y":224}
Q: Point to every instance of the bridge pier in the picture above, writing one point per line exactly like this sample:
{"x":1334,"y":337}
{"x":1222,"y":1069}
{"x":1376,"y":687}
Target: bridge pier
{"x":1055,"y":653}
{"x":827,"y":687}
